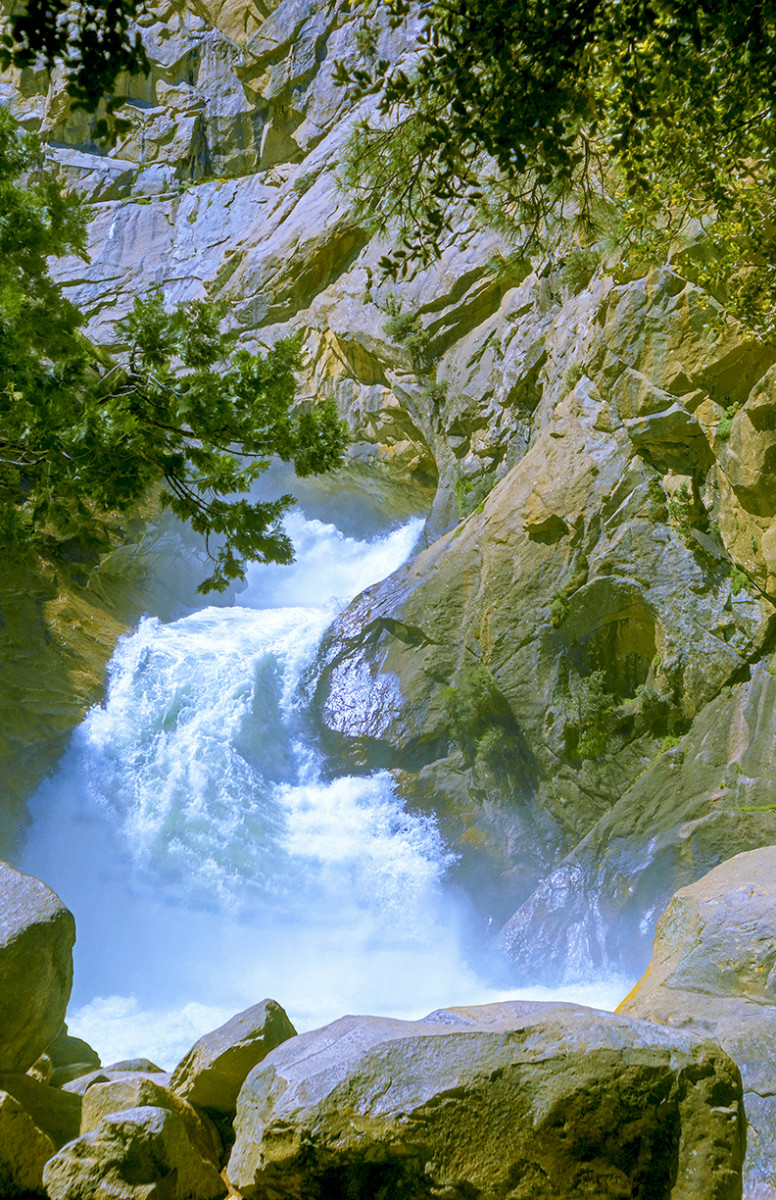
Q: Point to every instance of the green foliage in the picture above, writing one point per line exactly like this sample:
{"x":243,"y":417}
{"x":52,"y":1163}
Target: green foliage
{"x":91,"y":43}
{"x":572,"y":378}
{"x":578,"y":269}
{"x":658,"y":507}
{"x":669,"y":742}
{"x":682,"y":509}
{"x":434,"y":394}
{"x":726,"y":421}
{"x":647,"y":124}
{"x":559,"y":609}
{"x":739,"y":580}
{"x":591,"y":705}
{"x":493,"y":748}
{"x":473,"y":702}
{"x":406,"y":328}
{"x":470,"y":494}
{"x":82,"y":438}
{"x":365,"y":40}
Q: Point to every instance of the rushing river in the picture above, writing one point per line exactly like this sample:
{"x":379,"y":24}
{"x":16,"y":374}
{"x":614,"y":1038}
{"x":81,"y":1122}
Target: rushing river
{"x":209,"y":858}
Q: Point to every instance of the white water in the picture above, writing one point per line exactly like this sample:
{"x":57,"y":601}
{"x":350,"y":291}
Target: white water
{"x":208,"y":860}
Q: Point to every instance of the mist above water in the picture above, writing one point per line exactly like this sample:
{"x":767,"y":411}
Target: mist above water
{"x":210,"y":859}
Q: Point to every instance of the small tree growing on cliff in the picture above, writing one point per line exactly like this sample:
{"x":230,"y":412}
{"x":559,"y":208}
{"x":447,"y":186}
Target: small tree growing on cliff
{"x":82,"y":438}
{"x":632,"y":123}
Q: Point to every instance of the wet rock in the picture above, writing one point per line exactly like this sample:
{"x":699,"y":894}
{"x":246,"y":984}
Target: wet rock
{"x":713,"y":971}
{"x":213,"y":1071}
{"x":541,"y":1101}
{"x":133,"y":1155}
{"x":709,"y":796}
{"x":24,"y":1150}
{"x":36,"y":967}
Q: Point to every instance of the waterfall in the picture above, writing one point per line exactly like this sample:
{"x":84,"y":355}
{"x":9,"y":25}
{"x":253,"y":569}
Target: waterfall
{"x":209,"y":858}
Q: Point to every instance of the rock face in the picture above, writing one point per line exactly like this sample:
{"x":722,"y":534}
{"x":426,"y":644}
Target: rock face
{"x":540,"y":1101}
{"x":714,"y":971}
{"x":36,"y":967}
{"x":213,"y":1071}
{"x":699,"y":802}
{"x":133,"y":1155}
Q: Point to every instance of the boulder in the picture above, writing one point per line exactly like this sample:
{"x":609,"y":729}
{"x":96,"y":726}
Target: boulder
{"x":37,"y":934}
{"x":66,"y":1051}
{"x":127,"y":1065}
{"x":133,"y":1155}
{"x":526,"y":1100}
{"x":56,"y":1112}
{"x":714,"y":971}
{"x":24,"y":1150}
{"x":80,"y":1085}
{"x":66,"y":1058}
{"x":138,"y":1091}
{"x":213,"y":1071}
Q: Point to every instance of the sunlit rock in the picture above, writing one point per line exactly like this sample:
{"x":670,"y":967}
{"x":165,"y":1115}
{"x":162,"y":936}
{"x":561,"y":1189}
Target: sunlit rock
{"x":714,"y":971}
{"x":81,"y":1084}
{"x":133,"y":1155}
{"x":24,"y":1150}
{"x":530,"y":1100}
{"x":213,"y":1071}
{"x":138,"y":1091}
{"x":36,"y":967}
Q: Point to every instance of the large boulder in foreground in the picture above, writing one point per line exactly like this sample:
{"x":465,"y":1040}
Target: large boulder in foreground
{"x":714,"y":971}
{"x":37,"y":934}
{"x":522,"y":1100}
{"x":133,"y":1155}
{"x":213,"y":1071}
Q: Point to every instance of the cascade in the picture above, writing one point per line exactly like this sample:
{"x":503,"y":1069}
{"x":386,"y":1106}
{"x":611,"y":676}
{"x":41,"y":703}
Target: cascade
{"x":208,"y":853}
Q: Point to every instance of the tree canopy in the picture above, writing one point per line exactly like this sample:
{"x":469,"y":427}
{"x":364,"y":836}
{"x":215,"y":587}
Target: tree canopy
{"x":644,"y":122}
{"x":82,"y":438}
{"x":93,"y":43}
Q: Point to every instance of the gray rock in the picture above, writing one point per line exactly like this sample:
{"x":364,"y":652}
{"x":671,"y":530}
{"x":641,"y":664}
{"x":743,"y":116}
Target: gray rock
{"x":24,"y":1150}
{"x":701,"y":802}
{"x":213,"y":1071}
{"x":36,"y":967}
{"x":81,"y":1084}
{"x":127,"y":1065}
{"x":531,"y":1101}
{"x":139,"y":1154}
{"x":714,"y":971}
{"x":70,"y":1058}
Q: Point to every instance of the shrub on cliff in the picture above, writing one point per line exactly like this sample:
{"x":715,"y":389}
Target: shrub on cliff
{"x":634,"y":125}
{"x":82,"y":438}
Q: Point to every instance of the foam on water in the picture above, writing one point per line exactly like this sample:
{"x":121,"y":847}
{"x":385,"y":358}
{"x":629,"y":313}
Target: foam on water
{"x":206,"y":855}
